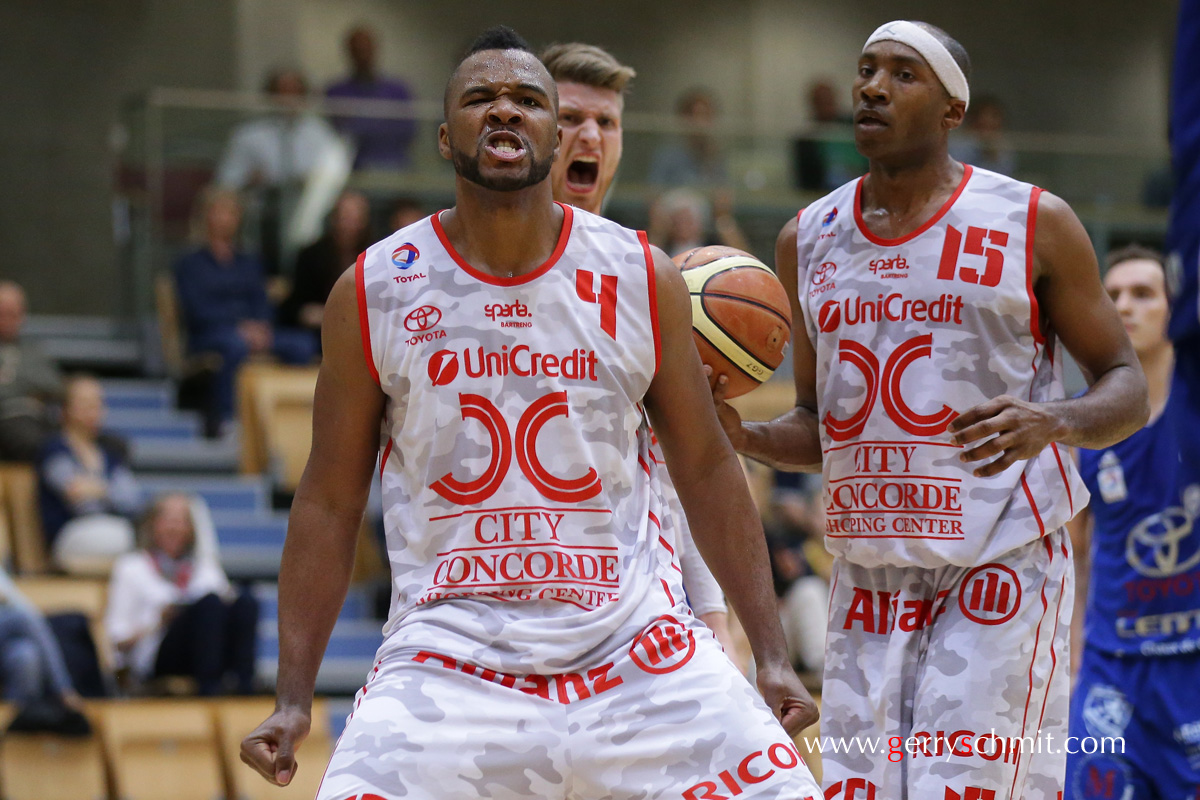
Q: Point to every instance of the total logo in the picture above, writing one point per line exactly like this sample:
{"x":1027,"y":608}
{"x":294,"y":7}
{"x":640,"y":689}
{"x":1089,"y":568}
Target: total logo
{"x":893,"y":308}
{"x":404,"y":255}
{"x":577,"y":365}
{"x":512,"y":314}
{"x":420,"y":322}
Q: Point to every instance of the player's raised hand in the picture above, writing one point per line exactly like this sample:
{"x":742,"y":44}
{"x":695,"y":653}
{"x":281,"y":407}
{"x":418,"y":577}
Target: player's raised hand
{"x":731,"y":420}
{"x":271,"y":747}
{"x":786,"y":696}
{"x":1019,"y":430}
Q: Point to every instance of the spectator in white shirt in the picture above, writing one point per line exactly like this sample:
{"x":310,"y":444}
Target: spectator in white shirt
{"x":172,"y":611}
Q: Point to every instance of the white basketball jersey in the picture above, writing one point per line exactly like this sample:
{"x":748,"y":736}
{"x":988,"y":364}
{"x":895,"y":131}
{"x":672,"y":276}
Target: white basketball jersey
{"x":521,"y":502}
{"x":909,"y":333}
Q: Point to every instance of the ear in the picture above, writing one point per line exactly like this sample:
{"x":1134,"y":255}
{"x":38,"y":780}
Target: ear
{"x":444,"y":142}
{"x":558,"y":134}
{"x":956,"y":112}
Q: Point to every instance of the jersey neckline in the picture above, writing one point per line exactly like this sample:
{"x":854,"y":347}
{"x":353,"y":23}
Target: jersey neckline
{"x":929,"y":223}
{"x":563,"y":236}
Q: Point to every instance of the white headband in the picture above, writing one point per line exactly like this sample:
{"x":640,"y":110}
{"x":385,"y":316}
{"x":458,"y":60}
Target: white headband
{"x":932,"y":50}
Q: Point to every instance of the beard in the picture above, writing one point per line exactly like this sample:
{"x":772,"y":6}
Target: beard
{"x":467,"y":167}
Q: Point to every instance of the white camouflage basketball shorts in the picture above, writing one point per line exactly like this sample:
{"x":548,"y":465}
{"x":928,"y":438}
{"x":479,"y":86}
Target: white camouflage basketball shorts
{"x":666,"y":717}
{"x":949,"y":683}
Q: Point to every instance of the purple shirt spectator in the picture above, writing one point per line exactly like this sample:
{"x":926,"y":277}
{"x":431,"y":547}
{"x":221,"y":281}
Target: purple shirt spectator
{"x":380,"y":142}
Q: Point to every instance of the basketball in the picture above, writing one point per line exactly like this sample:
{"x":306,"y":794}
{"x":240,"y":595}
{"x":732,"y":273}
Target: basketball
{"x":741,"y":319}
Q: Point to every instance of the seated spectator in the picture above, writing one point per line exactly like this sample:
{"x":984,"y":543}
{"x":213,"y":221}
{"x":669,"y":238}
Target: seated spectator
{"x":381,"y":143}
{"x":172,"y":611}
{"x":405,"y":212}
{"x":223,"y":297}
{"x":86,"y":490}
{"x":29,"y":380}
{"x":275,"y":156}
{"x":33,"y":674}
{"x":981,"y":142}
{"x":697,"y":159}
{"x":321,"y":263}
{"x":683,"y":219}
{"x":824,"y":164}
{"x":795,"y":527}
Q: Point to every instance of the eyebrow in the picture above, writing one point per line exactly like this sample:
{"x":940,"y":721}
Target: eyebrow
{"x":483,"y":88}
{"x":902,"y":59}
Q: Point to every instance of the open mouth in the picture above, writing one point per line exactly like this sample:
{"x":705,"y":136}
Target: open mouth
{"x":582,"y":174}
{"x":504,"y":146}
{"x":869,"y":120}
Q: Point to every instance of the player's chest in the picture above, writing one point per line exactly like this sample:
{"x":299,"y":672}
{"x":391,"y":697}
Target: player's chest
{"x":947,"y":275}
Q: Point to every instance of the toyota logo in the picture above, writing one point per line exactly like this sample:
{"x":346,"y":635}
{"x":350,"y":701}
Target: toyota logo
{"x":422,"y":319}
{"x":1161,"y":545}
{"x":823,"y":273}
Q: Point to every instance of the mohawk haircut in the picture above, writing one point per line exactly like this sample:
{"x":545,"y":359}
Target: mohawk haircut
{"x":957,"y":51}
{"x":575,"y":62}
{"x":498,"y":37}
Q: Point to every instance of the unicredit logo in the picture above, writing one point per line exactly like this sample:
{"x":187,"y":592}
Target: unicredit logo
{"x":443,"y":367}
{"x":576,"y":365}
{"x":892,"y":308}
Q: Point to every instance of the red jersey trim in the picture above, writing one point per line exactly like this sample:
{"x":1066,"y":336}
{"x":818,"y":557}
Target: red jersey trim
{"x":563,"y":236}
{"x":929,"y":223}
{"x":364,"y":326}
{"x":652,"y":291}
{"x":1035,"y":323}
{"x":387,"y":451}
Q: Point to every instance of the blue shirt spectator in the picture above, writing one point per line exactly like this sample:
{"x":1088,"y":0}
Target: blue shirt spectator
{"x":223,"y":295}
{"x":380,"y":142}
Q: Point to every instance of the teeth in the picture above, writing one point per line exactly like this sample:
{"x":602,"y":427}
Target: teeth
{"x":505,"y":147}
{"x":588,"y":159}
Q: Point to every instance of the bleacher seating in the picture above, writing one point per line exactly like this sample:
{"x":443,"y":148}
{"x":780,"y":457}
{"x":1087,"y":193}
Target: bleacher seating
{"x":76,"y":764}
{"x":236,"y":718}
{"x":162,"y":750}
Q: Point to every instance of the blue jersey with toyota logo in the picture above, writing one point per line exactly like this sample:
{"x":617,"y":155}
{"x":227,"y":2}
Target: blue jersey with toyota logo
{"x":1144,"y":595}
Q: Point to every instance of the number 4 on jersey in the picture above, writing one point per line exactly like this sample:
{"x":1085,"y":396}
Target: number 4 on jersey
{"x":606,"y":298}
{"x":954,"y":245}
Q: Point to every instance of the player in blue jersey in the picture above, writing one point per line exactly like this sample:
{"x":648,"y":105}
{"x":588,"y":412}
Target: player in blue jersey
{"x":1140,"y":575}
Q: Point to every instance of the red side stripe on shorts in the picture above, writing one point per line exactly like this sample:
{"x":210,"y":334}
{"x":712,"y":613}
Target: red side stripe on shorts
{"x":364,"y":326}
{"x":1037,"y":636}
{"x":1053,"y":654}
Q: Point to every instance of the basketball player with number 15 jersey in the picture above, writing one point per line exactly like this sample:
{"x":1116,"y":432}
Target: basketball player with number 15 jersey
{"x":935,"y":297}
{"x":505,"y":358}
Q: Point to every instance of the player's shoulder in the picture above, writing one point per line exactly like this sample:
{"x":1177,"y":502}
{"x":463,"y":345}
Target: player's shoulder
{"x":587,"y":224}
{"x":823,"y":216}
{"x":402,"y":248}
{"x":984,"y":183}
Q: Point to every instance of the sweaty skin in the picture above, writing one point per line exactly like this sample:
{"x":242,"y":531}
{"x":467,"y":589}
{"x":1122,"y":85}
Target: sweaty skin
{"x":498,"y":103}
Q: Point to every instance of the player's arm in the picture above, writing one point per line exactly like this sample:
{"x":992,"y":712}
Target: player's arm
{"x":712,"y":489}
{"x":322,"y":530}
{"x":1080,"y":313}
{"x":1080,"y":529}
{"x":792,"y":441}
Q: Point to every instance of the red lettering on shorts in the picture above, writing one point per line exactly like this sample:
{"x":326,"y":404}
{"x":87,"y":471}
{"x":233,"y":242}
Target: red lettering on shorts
{"x":852,"y":789}
{"x":783,"y":755}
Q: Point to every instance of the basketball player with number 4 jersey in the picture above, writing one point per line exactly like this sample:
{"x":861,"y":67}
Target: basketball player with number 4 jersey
{"x":934,"y":297}
{"x":505,"y":359}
